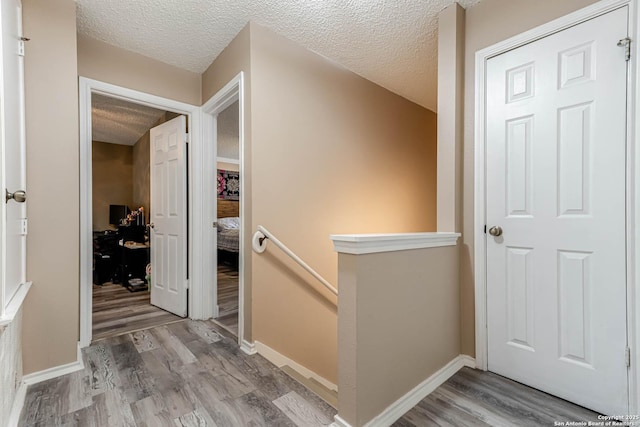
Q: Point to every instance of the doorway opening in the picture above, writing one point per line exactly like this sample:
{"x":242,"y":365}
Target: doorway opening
{"x":171,"y":164}
{"x":225,"y":206}
{"x":227,"y":164}
{"x":120,"y":216}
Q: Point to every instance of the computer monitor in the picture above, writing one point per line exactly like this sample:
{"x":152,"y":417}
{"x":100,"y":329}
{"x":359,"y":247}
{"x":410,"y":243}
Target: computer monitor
{"x":117,"y":213}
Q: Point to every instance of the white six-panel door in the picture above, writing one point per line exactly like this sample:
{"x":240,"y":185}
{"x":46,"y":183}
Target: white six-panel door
{"x":13,"y":141}
{"x":169,"y":216}
{"x":556,"y":159}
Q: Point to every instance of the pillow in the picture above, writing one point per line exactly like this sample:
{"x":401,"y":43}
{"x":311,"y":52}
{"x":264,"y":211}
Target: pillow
{"x":228,"y":223}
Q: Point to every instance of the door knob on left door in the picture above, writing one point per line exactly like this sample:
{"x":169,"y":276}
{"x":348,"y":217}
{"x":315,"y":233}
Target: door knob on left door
{"x":19,"y":196}
{"x":495,"y":231}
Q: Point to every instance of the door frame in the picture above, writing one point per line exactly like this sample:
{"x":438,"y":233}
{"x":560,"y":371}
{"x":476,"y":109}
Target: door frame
{"x":233,"y":91}
{"x":197,"y":305}
{"x":10,"y":304}
{"x":632,"y":190}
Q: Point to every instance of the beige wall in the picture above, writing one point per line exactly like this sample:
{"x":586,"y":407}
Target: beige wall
{"x":228,"y":166}
{"x":487,"y":23}
{"x":106,"y":63}
{"x":112,"y":180}
{"x":52,"y":65}
{"x":142,"y":174}
{"x":227,"y":133}
{"x":50,"y":319}
{"x":450,"y":116}
{"x":398,"y":325}
{"x":332,"y":153}
{"x":235,"y":58}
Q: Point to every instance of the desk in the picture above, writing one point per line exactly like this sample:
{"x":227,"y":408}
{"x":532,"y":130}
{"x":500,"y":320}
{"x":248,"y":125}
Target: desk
{"x":106,"y":256}
{"x":134,"y":260}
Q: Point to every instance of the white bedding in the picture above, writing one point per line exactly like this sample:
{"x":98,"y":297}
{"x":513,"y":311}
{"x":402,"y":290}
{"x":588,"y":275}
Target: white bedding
{"x":229,"y":234}
{"x":231,"y":223}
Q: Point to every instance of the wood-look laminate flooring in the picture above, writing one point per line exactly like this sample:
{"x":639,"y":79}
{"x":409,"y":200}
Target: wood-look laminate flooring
{"x":117,"y":311}
{"x":189,"y":373}
{"x":476,"y":398}
{"x":228,"y":298}
{"x":192,"y":373}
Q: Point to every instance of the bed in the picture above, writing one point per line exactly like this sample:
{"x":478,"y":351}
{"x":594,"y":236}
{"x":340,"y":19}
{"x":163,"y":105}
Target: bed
{"x":229,"y":234}
{"x":228,"y":231}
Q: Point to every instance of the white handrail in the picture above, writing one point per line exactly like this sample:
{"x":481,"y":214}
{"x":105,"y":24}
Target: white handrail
{"x":259,"y":245}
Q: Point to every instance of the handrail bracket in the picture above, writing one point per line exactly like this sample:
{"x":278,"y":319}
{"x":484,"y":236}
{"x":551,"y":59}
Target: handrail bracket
{"x":259,"y":245}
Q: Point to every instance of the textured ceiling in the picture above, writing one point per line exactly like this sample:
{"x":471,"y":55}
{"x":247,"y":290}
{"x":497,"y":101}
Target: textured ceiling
{"x":390,"y":42}
{"x":120,"y":122}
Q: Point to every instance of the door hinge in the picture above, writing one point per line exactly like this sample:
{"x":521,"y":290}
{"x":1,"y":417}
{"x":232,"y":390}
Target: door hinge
{"x":21,"y":45}
{"x":186,"y":284}
{"x":186,"y":138}
{"x":626,"y":43}
{"x":627,"y":356}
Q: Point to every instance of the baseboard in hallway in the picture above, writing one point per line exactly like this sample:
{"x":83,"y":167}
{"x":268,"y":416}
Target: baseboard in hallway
{"x":329,"y":396}
{"x":280,"y":360}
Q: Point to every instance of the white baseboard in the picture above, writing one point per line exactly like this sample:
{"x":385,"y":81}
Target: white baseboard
{"x":468,"y":361}
{"x":248,"y":347}
{"x":281,"y":360}
{"x":18,"y":403}
{"x":339,"y":422}
{"x":56,"y":371}
{"x":403,"y":405}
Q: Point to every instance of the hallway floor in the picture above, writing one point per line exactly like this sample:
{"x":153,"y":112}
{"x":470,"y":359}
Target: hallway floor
{"x":476,"y":398}
{"x":117,"y":311}
{"x":192,"y":373}
{"x":228,"y":298}
{"x":189,"y":373}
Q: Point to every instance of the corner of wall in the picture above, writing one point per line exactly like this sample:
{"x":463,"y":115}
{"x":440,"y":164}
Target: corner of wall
{"x":51,"y":312}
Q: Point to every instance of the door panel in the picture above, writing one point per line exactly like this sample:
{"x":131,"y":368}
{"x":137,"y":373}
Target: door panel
{"x":169,"y":216}
{"x":556,"y":176}
{"x":13,"y":140}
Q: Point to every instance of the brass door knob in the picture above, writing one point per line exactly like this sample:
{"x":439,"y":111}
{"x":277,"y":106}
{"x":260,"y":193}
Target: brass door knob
{"x":19,"y":196}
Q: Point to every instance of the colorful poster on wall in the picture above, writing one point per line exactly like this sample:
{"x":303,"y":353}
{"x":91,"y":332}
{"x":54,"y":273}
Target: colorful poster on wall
{"x":228,"y":185}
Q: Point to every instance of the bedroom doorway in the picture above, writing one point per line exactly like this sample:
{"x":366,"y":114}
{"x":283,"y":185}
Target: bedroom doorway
{"x":227,"y":166}
{"x":227,"y":217}
{"x":191,"y":283}
{"x":121,"y":202}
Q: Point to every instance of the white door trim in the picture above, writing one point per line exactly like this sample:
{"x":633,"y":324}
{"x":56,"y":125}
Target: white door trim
{"x":198,"y":287}
{"x":233,"y":91}
{"x":633,"y":179}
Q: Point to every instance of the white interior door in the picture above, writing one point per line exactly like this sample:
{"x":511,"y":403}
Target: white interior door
{"x":168,"y":235}
{"x":556,"y":162}
{"x":13,"y":140}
